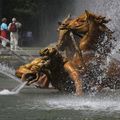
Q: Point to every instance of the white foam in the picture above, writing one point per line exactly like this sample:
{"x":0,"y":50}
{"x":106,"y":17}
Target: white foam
{"x":6,"y":92}
{"x":14,"y":91}
{"x":84,"y":104}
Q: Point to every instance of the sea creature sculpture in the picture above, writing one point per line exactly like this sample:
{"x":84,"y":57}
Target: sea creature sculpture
{"x":52,"y":68}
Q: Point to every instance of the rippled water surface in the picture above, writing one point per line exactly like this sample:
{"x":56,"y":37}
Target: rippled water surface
{"x":35,"y":104}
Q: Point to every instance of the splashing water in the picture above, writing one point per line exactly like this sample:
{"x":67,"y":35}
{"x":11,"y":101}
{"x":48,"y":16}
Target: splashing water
{"x":10,"y":72}
{"x":84,"y":104}
{"x":14,"y":91}
{"x":6,"y":68}
{"x":115,"y":53}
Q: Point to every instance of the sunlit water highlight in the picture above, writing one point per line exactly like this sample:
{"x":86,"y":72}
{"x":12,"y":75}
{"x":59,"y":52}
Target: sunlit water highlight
{"x":57,"y":101}
{"x":85,"y":104}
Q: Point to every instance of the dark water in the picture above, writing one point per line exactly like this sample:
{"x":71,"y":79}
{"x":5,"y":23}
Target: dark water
{"x":36,"y":104}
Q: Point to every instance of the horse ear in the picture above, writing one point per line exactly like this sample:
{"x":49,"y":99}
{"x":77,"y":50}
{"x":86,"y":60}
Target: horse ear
{"x":67,"y":18}
{"x":87,"y":13}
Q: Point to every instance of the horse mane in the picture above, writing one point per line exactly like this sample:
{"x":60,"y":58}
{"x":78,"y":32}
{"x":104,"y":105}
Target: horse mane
{"x":89,"y":28}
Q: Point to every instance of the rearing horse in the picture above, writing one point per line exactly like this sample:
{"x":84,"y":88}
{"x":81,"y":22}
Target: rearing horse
{"x":90,"y":31}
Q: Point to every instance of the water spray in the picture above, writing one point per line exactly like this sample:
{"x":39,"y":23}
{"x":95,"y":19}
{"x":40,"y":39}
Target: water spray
{"x":14,"y":91}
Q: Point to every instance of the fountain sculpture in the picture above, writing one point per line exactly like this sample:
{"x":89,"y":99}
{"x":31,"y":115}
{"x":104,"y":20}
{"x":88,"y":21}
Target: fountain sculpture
{"x":77,"y":63}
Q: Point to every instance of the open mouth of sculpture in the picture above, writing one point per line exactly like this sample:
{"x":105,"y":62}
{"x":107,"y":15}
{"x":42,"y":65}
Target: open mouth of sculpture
{"x":39,"y":80}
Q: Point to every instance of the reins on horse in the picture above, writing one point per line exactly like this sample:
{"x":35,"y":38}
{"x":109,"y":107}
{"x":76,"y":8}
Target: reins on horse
{"x":78,"y":50}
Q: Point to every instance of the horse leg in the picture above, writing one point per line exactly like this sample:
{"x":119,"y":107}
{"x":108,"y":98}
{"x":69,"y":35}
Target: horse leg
{"x":69,"y":67}
{"x":43,"y":81}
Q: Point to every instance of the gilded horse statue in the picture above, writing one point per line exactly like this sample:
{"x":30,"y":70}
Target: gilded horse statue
{"x":86,"y":41}
{"x":91,"y":41}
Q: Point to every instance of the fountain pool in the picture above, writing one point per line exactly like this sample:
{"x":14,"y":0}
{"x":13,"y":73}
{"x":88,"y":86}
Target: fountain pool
{"x":36,"y":104}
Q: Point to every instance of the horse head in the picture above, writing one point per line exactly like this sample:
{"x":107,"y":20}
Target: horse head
{"x":88,"y":27}
{"x":96,"y":28}
{"x":63,"y":30}
{"x":78,"y":26}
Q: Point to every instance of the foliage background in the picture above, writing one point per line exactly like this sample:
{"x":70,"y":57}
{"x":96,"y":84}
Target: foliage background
{"x":38,"y":16}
